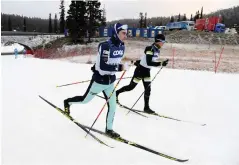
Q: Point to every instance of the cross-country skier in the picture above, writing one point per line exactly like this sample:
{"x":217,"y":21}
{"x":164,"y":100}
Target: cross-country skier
{"x":16,"y":53}
{"x":110,"y":54}
{"x":24,"y":52}
{"x":142,"y":72}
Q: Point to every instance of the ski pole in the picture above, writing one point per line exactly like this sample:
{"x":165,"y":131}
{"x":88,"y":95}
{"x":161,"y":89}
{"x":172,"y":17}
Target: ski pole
{"x":72,"y":83}
{"x":219,"y":59}
{"x":145,"y":90}
{"x":84,"y":82}
{"x":132,"y":110}
{"x":106,"y":102}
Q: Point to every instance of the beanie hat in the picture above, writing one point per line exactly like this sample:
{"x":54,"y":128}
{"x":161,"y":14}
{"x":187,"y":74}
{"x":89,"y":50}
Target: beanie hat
{"x":159,"y":38}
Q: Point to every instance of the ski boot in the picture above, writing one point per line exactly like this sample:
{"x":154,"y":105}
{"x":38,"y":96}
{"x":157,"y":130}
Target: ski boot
{"x":67,"y":107}
{"x":117,"y":98}
{"x":148,"y":110}
{"x":112,"y":133}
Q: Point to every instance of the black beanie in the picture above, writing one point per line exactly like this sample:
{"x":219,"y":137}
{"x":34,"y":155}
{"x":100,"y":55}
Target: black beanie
{"x":159,"y":37}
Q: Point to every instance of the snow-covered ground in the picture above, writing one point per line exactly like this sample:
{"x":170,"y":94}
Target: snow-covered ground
{"x":34,"y":133}
{"x":10,"y":48}
{"x":31,"y":41}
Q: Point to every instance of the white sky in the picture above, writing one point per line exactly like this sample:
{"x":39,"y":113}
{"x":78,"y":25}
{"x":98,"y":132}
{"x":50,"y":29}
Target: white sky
{"x":116,"y":9}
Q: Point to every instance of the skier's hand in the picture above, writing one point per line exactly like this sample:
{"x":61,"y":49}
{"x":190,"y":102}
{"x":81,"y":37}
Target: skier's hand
{"x":164,"y":63}
{"x":126,"y":66}
{"x":136,"y":63}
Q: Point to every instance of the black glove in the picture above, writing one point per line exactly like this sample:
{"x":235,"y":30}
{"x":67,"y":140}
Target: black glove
{"x":93,"y":68}
{"x":164,"y":63}
{"x":136,"y":63}
{"x":120,"y":67}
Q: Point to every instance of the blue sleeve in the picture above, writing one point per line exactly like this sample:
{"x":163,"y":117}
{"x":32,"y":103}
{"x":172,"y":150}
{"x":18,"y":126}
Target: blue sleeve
{"x":103,"y":50}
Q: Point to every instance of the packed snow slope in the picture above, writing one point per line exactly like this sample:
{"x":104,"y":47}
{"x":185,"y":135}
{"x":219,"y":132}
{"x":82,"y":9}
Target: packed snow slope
{"x":34,"y":133}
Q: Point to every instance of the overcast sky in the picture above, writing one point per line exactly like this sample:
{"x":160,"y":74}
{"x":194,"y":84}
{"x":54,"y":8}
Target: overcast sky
{"x":118,"y":9}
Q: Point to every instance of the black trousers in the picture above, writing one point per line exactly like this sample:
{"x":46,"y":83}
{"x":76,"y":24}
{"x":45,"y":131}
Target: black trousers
{"x":140,"y":73}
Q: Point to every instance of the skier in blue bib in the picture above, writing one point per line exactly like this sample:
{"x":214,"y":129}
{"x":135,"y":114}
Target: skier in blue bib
{"x":108,"y":62}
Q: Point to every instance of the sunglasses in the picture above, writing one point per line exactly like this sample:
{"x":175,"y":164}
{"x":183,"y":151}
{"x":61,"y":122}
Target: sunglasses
{"x":159,"y":40}
{"x":124,"y":27}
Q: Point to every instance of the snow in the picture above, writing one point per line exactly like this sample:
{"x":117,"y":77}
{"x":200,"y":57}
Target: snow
{"x":10,"y":48}
{"x":31,"y":41}
{"x":35,"y":133}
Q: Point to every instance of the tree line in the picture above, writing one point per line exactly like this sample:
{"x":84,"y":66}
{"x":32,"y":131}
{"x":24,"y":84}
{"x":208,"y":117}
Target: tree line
{"x":84,"y":17}
{"x":229,"y":18}
{"x":12,"y":22}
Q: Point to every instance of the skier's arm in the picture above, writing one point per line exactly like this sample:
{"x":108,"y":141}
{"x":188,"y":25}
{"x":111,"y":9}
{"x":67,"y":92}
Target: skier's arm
{"x":104,"y":55}
{"x":149,"y":57}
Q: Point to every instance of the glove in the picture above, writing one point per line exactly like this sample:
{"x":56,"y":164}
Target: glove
{"x":126,"y":66}
{"x":93,"y":68}
{"x":136,"y":63}
{"x":164,"y":63}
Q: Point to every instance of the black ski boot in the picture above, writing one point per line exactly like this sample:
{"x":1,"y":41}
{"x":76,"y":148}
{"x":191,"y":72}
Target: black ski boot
{"x":146,"y":103}
{"x":117,"y":98}
{"x":112,"y":133}
{"x":67,"y":107}
{"x":148,"y":110}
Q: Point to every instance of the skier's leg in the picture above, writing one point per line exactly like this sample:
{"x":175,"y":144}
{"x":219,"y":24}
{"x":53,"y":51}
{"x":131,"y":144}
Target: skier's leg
{"x":89,"y":95}
{"x":147,"y":88}
{"x":133,"y":83}
{"x":111,"y":111}
{"x":111,"y":105}
{"x":93,"y":89}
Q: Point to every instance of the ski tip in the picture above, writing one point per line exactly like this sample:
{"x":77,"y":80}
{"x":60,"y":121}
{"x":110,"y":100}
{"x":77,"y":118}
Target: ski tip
{"x":40,"y":96}
{"x":110,"y":146}
{"x":180,"y":160}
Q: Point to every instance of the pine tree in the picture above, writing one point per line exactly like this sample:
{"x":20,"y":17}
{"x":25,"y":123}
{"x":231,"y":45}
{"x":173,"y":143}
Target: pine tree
{"x":179,"y":17}
{"x":9,"y":24}
{"x":24,"y":25}
{"x":103,"y":19}
{"x":50,"y":25}
{"x":81,"y":18}
{"x":184,"y":17}
{"x":77,"y":20}
{"x":55,"y":24}
{"x":196,"y":16}
{"x":62,"y":17}
{"x":3,"y":22}
{"x":191,"y":19}
{"x":223,"y":21}
{"x":141,"y":18}
{"x":201,"y":16}
{"x":172,"y":19}
{"x":145,"y":20}
{"x":94,"y":17}
{"x":71,"y":21}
